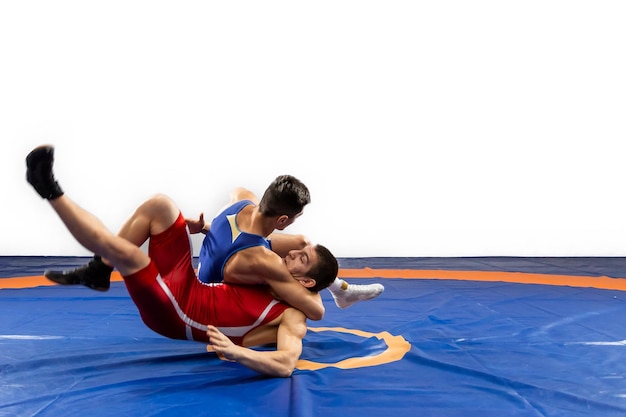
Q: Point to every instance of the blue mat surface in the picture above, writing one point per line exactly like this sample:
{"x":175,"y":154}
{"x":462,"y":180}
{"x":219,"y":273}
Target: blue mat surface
{"x":476,"y":349}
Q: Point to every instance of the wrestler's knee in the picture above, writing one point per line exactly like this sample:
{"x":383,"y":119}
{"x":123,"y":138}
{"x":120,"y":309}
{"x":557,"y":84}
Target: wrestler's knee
{"x":158,"y":202}
{"x":160,"y":211}
{"x":124,"y":255}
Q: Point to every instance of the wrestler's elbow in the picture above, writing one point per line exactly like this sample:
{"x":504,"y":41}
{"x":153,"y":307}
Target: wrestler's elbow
{"x":285,"y":368}
{"x":301,"y":241}
{"x":316,"y":313}
{"x":284,"y":371}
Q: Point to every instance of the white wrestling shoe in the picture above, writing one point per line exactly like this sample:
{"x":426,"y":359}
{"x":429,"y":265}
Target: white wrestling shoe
{"x":348,"y":294}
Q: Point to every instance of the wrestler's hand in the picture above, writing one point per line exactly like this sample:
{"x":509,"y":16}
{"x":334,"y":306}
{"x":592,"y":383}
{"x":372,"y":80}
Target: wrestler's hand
{"x":197,"y":225}
{"x":220,"y":344}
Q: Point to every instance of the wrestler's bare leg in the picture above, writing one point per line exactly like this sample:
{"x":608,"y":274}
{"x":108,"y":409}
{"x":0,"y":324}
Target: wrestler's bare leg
{"x":87,"y":229}
{"x":152,"y":217}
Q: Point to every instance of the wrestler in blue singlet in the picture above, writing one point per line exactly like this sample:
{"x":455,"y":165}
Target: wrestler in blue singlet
{"x":223,"y":241}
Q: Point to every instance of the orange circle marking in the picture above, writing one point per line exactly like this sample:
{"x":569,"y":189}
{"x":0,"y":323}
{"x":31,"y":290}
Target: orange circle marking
{"x":397,"y":347}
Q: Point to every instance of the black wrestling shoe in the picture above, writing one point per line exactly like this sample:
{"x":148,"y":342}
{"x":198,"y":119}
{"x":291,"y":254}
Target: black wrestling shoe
{"x":39,"y":172}
{"x":96,"y":275}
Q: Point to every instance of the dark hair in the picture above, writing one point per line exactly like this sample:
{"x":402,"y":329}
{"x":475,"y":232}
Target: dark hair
{"x":286,"y":195}
{"x":326,"y":269}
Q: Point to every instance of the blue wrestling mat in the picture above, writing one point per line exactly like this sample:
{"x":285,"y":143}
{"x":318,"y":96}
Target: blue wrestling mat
{"x":449,"y":337}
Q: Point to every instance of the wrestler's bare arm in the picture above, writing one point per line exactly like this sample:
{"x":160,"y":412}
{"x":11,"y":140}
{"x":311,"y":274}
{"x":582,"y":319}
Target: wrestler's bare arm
{"x":282,"y":243}
{"x":278,"y":363}
{"x":296,"y":295}
{"x":255,"y":265}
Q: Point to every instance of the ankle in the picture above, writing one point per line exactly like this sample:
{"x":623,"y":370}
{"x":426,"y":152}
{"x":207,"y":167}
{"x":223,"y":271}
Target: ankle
{"x":102,"y":263}
{"x":338,"y":285}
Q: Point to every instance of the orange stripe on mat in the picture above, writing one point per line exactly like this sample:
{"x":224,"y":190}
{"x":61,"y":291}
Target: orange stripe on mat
{"x":603,"y":282}
{"x":38,"y":281}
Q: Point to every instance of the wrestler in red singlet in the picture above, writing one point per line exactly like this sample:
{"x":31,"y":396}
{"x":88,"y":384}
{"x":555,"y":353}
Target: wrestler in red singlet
{"x":174,"y":303}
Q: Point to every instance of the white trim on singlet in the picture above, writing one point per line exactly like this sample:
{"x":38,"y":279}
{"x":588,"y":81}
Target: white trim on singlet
{"x":239,"y":331}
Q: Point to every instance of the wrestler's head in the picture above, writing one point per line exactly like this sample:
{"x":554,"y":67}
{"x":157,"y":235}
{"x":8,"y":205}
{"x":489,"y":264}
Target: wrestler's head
{"x":325,"y":270}
{"x":315,"y":267}
{"x":284,"y":199}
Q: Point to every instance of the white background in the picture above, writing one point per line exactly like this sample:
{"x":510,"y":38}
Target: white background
{"x":422,"y":128}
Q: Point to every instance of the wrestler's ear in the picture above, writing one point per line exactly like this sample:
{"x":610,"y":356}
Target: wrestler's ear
{"x":282,"y":221}
{"x":307,"y":282}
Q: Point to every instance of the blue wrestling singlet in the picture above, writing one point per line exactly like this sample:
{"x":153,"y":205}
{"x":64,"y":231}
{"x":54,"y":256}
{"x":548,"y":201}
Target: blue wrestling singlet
{"x":223,"y":241}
